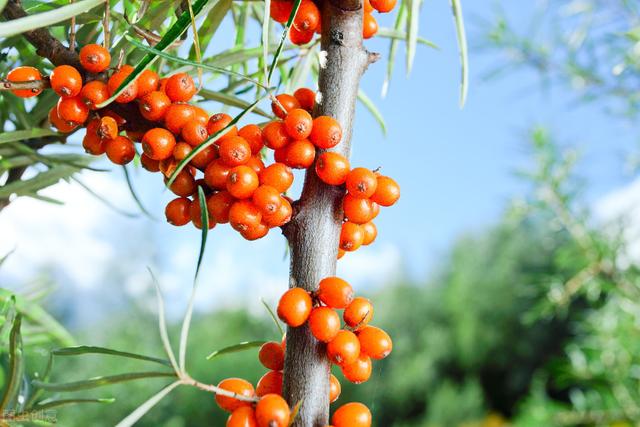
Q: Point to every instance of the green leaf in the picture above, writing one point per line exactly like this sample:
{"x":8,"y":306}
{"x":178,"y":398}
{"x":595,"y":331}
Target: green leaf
{"x":367,"y":102}
{"x":246,"y":345}
{"x":134,"y":195}
{"x":104,"y":200}
{"x":235,"y":56}
{"x":231,"y":101}
{"x":101,"y":381}
{"x":204,"y":217}
{"x":412,"y":31}
{"x":48,"y":404}
{"x":46,"y":19}
{"x":38,"y":182}
{"x":132,"y":418}
{"x":273,"y":316}
{"x":461,"y":35}
{"x":396,"y":34}
{"x":294,"y":11}
{"x":162,"y":324}
{"x":210,"y":24}
{"x":22,"y":135}
{"x":12,"y":387}
{"x":85,"y":349}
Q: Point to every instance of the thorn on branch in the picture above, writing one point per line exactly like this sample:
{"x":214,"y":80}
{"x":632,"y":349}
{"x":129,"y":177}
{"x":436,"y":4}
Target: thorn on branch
{"x":372,"y":57}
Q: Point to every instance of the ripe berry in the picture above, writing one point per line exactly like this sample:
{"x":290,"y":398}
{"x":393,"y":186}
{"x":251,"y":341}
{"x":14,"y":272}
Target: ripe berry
{"x":256,"y":164}
{"x":332,"y":168}
{"x":308,"y":16}
{"x":352,"y":414}
{"x":256,"y":232}
{"x":149,"y":164}
{"x":215,"y":175}
{"x":278,"y":176}
{"x":367,"y":6}
{"x":66,"y":81}
{"x":93,"y":144}
{"x":59,"y":123}
{"x":383,"y":6}
{"x":271,"y":356}
{"x":375,"y":342}
{"x":242,"y":417}
{"x":180,"y":87}
{"x":148,"y":82}
{"x":94,"y":93}
{"x":344,"y":349}
{"x":334,"y":388}
{"x":242,"y":181}
{"x":357,"y":210}
{"x":178,"y":115}
{"x":280,"y":10}
{"x":120,"y":150}
{"x":270,"y":383}
{"x":358,"y":313}
{"x":204,"y":157}
{"x":108,"y":128}
{"x":181,"y":151}
{"x":154,"y":105}
{"x":272,"y":411}
{"x":184,"y":185}
{"x":326,"y":132}
{"x":387,"y":191}
{"x":285,"y":101}
{"x":294,"y":307}
{"x":194,"y":133}
{"x":298,"y":123}
{"x":201,"y":115}
{"x":234,"y":151}
{"x":267,"y":199}
{"x":238,"y":386}
{"x":25,"y":74}
{"x":369,"y":26}
{"x":196,"y":214}
{"x":351,"y":236}
{"x":299,"y":154}
{"x":376,"y":209}
{"x":167,"y":166}
{"x":219,"y":121}
{"x":94,"y":58}
{"x":306,"y":98}
{"x":158,"y":143}
{"x":219,"y":205}
{"x":358,"y":371}
{"x":324,"y":323}
{"x":130,"y":92}
{"x":253,"y":135}
{"x":275,"y":135}
{"x":73,"y":110}
{"x":281,"y":216}
{"x":370,"y":232}
{"x":177,"y":211}
{"x":335,"y":292}
{"x":244,"y":215}
{"x":298,"y":37}
{"x":361,"y":183}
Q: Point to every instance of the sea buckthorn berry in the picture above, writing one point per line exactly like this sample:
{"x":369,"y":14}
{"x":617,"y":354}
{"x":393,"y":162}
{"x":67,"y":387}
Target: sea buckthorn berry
{"x":158,"y":143}
{"x":280,"y":10}
{"x":275,"y":135}
{"x":244,"y":416}
{"x":383,"y":6}
{"x":219,"y":121}
{"x":280,"y":155}
{"x":278,"y":176}
{"x":306,"y":98}
{"x":255,"y":233}
{"x":326,"y":132}
{"x":285,"y":101}
{"x":267,"y":199}
{"x":66,"y":81}
{"x":181,"y":150}
{"x":94,"y":93}
{"x":300,"y":154}
{"x":242,"y":181}
{"x":134,"y":135}
{"x":387,"y":191}
{"x":357,"y":314}
{"x":253,"y":135}
{"x":375,"y":342}
{"x":25,"y":74}
{"x":162,"y":84}
{"x":341,"y":253}
{"x":375,"y":210}
{"x":120,"y":150}
{"x":180,"y":87}
{"x":334,"y":388}
{"x":130,"y":92}
{"x":298,"y":37}
{"x":149,"y":164}
{"x":256,"y":164}
{"x":358,"y":371}
{"x":184,"y":185}
{"x":370,"y":232}
{"x":117,"y":117}
{"x":344,"y":349}
{"x":94,"y":58}
{"x":367,"y":6}
{"x":294,"y":307}
{"x":353,"y":414}
{"x":270,"y":383}
{"x":201,"y":115}
{"x":177,"y":211}
{"x":351,"y":236}
{"x":148,"y":82}
{"x":298,"y":123}
{"x":73,"y":110}
{"x":194,"y":132}
{"x":234,"y":151}
{"x":219,"y":205}
{"x":307,"y":17}
{"x":108,"y":128}
{"x":154,"y":105}
{"x":238,"y":386}
{"x":93,"y":144}
{"x":196,"y":214}
{"x":244,"y":215}
{"x":215,"y":175}
{"x":332,"y":168}
{"x":167,"y":166}
{"x":204,"y":157}
{"x":335,"y":292}
{"x":59,"y":123}
{"x":272,"y":411}
{"x":324,"y":323}
{"x":281,"y":216}
{"x":369,"y":26}
{"x":178,"y":115}
{"x":271,"y":355}
{"x":361,"y":183}
{"x":356,"y":210}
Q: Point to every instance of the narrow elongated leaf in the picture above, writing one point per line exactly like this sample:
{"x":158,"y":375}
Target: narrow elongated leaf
{"x":266,"y":20}
{"x":204,"y":217}
{"x":38,"y":182}
{"x":22,"y":135}
{"x":162,"y":325}
{"x":48,"y":404}
{"x":134,"y":195}
{"x":211,"y":23}
{"x":234,"y":55}
{"x":396,"y":34}
{"x":85,"y":349}
{"x":46,"y":19}
{"x":246,"y":345}
{"x":368,"y":103}
{"x":12,"y":383}
{"x":146,"y":406}
{"x":273,"y":316}
{"x":231,"y":101}
{"x":101,"y":381}
{"x":274,"y":62}
{"x":412,"y":32}
{"x":103,"y":200}
{"x":461,"y":35}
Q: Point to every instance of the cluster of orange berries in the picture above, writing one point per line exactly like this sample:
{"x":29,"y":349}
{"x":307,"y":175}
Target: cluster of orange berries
{"x":308,"y":19}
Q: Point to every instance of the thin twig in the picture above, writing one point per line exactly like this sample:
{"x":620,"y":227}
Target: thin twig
{"x":105,"y":24}
{"x":72,"y":31}
{"x":32,"y":84}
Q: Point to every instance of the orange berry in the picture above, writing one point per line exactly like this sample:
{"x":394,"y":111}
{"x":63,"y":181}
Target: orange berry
{"x":294,"y":307}
{"x":367,"y":6}
{"x":177,"y":115}
{"x":361,"y":183}
{"x":375,"y":210}
{"x":177,"y":211}
{"x":383,"y":6}
{"x":201,"y":115}
{"x":340,"y":253}
{"x":287,"y":102}
{"x":66,"y":81}
{"x":158,"y":143}
{"x":149,"y":164}
{"x":358,"y":371}
{"x":148,"y":82}
{"x":196,"y":214}
{"x":358,"y":313}
{"x":332,"y":168}
{"x":280,"y":10}
{"x":352,"y":414}
{"x":244,"y":215}
{"x":271,"y":355}
{"x":59,"y":123}
{"x":272,"y":411}
{"x":93,"y":93}
{"x":267,"y":199}
{"x":275,"y":135}
{"x":219,"y":121}
{"x":194,"y":133}
{"x":326,"y":132}
{"x":357,"y":210}
{"x":351,"y":236}
{"x":238,"y":386}
{"x":335,"y":292}
{"x":270,"y":383}
{"x":25,"y":74}
{"x":73,"y":110}
{"x":204,"y":157}
{"x":281,"y":216}
{"x":298,"y":37}
{"x":131,"y":91}
{"x":219,"y":205}
{"x":120,"y":150}
{"x":242,"y":417}
{"x":324,"y":323}
{"x":242,"y":181}
{"x":299,"y":154}
{"x":370,"y":232}
{"x":215,"y":175}
{"x":387,"y":191}
{"x":255,"y":232}
{"x":184,"y":185}
{"x":180,"y":87}
{"x":298,"y":123}
{"x":154,"y":105}
{"x":369,"y":26}
{"x":234,"y":151}
{"x":256,"y":164}
{"x":306,"y":98}
{"x":280,"y":155}
{"x":181,"y":151}
{"x":375,"y":342}
{"x":278,"y":176}
{"x":91,"y":142}
{"x":308,"y":16}
{"x":253,"y":135}
{"x":167,"y":166}
{"x":344,"y":349}
{"x":94,"y":58}
{"x":108,"y":128}
{"x":334,"y":388}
